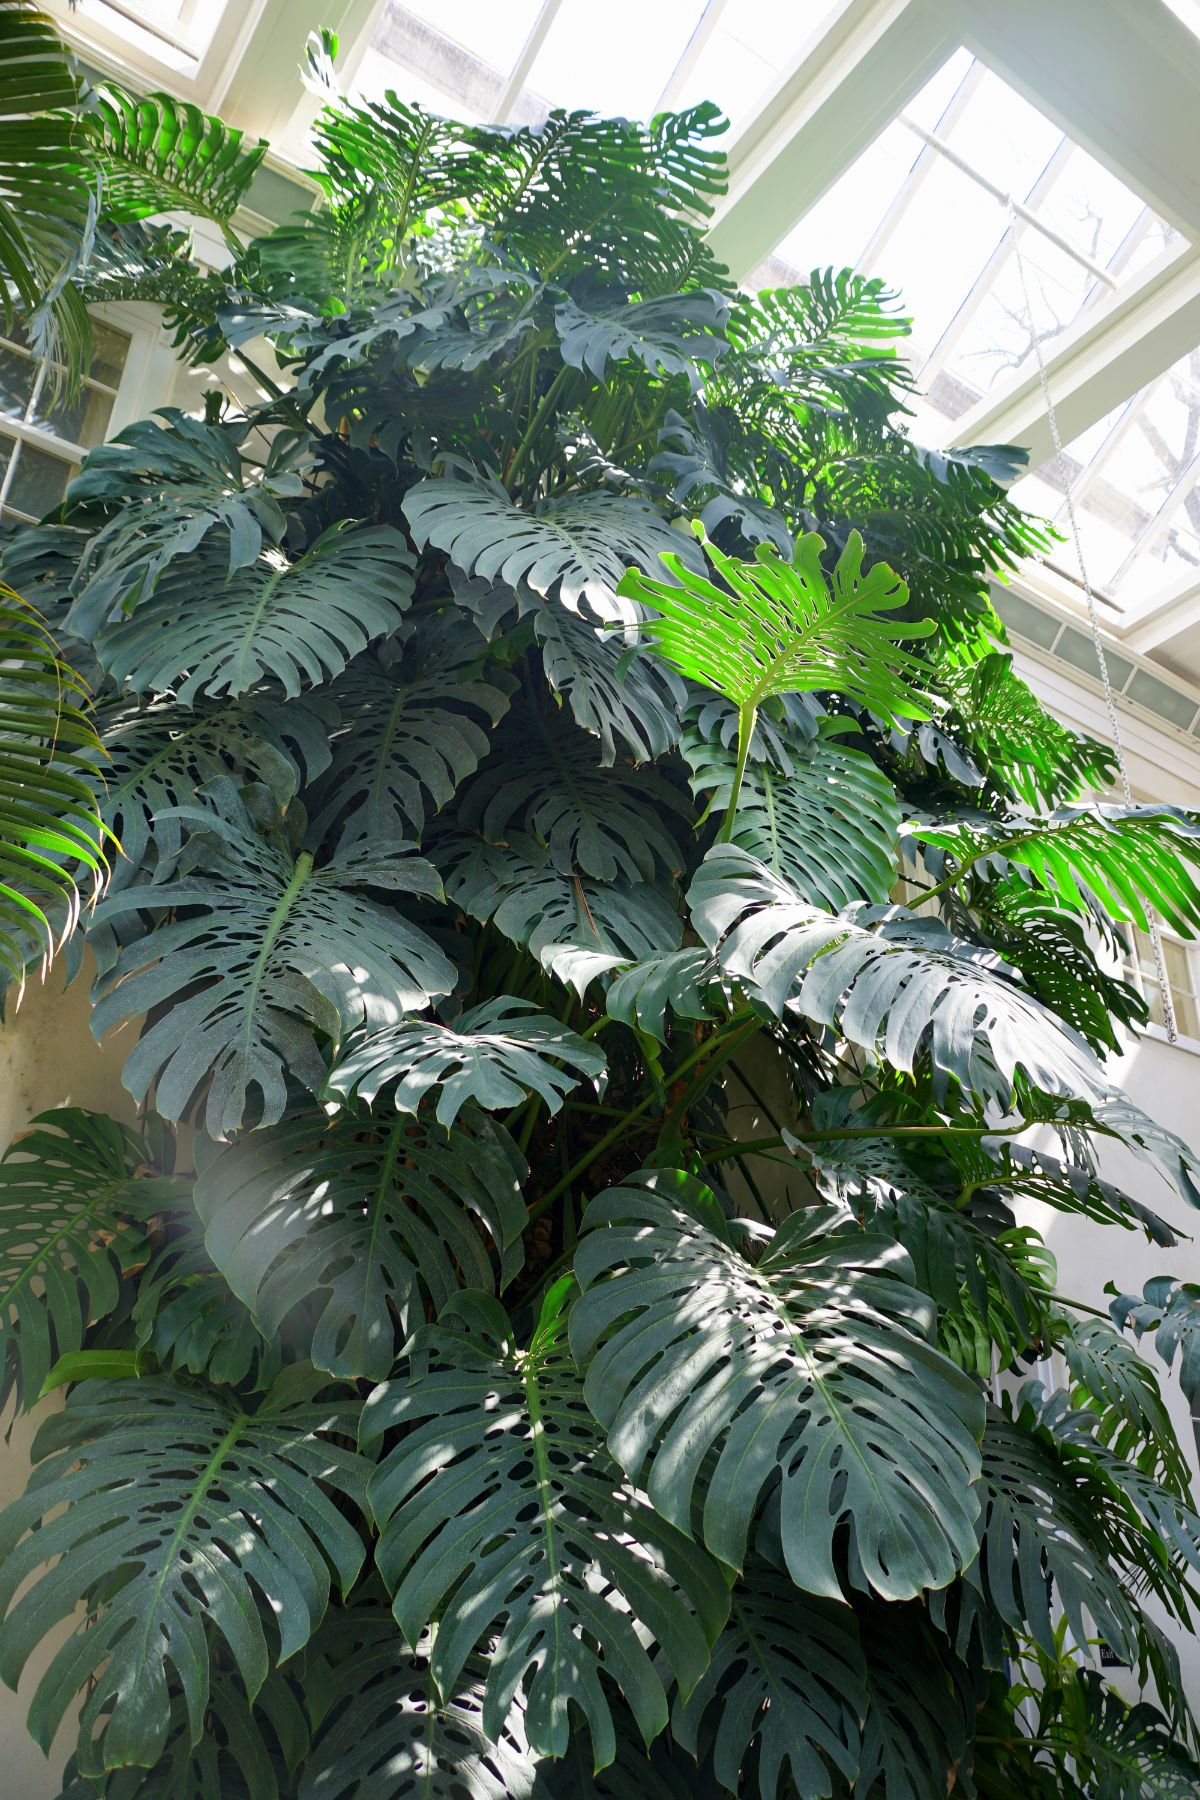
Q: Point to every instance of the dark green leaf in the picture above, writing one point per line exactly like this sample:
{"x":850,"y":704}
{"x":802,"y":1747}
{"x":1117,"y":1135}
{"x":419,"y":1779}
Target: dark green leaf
{"x":784,"y":1691}
{"x":161,"y":1505}
{"x":268,"y":950}
{"x":495,"y":1054}
{"x":298,"y":623}
{"x":501,"y":1512}
{"x":725,"y":1361}
{"x":76,"y":1193}
{"x":363,"y":1222}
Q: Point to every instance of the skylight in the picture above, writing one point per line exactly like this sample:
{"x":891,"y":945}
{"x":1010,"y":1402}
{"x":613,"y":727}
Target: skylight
{"x":514,"y":62}
{"x":1136,"y":482}
{"x":925,"y":207}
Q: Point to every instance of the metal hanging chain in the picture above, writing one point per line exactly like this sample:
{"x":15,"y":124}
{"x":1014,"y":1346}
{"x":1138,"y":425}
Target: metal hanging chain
{"x":1160,"y":962}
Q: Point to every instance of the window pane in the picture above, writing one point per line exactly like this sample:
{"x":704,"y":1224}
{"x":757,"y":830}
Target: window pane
{"x":110,"y":348}
{"x":453,"y":60}
{"x":38,"y":481}
{"x":83,"y":420}
{"x":751,"y":47}
{"x":631,"y":52}
{"x":17,"y":375}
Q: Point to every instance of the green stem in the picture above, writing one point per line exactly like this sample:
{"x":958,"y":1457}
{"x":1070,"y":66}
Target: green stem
{"x":747,"y":717}
{"x":952,"y":881}
{"x":744,"y":1146}
{"x":549,"y":402}
{"x":621,"y":1129}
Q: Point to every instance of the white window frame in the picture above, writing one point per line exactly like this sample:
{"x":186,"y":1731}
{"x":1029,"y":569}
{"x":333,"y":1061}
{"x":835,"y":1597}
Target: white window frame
{"x":154,"y":58}
{"x":146,"y":382}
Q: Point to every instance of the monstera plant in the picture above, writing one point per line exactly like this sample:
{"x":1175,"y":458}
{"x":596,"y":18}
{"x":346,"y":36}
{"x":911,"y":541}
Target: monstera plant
{"x":560,"y":1322}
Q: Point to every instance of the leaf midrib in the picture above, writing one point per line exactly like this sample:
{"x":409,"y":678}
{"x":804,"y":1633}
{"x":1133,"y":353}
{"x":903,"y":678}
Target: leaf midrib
{"x":85,"y":1214}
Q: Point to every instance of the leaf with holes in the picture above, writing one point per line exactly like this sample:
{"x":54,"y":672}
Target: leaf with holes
{"x":828,"y":827}
{"x":575,"y":926}
{"x":410,"y":735}
{"x":544,"y":782}
{"x":298,"y":623}
{"x":163,"y":1507}
{"x":724,"y":1360}
{"x":264,"y":950}
{"x":784,"y":1691}
{"x":365,"y":1221}
{"x":500,"y":1512}
{"x":669,"y":334}
{"x":496,"y":1054}
{"x":578,"y":547}
{"x":161,"y":491}
{"x":897,"y":984}
{"x":158,"y":755}
{"x":617,"y":694}
{"x":1170,"y":1308}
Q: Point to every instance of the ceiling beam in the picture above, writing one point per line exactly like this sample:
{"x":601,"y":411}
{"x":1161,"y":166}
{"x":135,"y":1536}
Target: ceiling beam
{"x":1100,"y":361}
{"x":1120,"y":77}
{"x":873,"y":56}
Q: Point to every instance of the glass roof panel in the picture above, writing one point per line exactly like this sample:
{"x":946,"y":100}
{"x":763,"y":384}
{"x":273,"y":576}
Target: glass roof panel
{"x":1136,"y":483}
{"x":615,"y":59}
{"x":452,"y":59}
{"x":741,"y":49}
{"x":457,"y":56}
{"x":924,"y":207}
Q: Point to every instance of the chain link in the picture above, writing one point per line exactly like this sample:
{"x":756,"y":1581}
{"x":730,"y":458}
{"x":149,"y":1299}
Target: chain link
{"x":1160,"y":961}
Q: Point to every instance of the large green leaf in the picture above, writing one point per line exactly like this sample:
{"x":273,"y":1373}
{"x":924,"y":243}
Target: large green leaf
{"x":298,"y":623}
{"x":243,"y":1752}
{"x":76,"y":1192}
{"x":166,"y":489}
{"x":991,"y":1279}
{"x":669,"y":334}
{"x":1128,"y":1752}
{"x":163,"y":1507}
{"x":1042,"y":1549}
{"x":575,"y":926}
{"x":387,"y":1733}
{"x":683,"y":983}
{"x":156,"y":154}
{"x":411,"y":733}
{"x":544,"y":781}
{"x":828,"y":826}
{"x":920,"y":1708}
{"x":894,"y":983}
{"x":778,"y":627}
{"x":263,"y":950}
{"x":1131,"y":858}
{"x":496,"y":1054}
{"x":53,"y":841}
{"x":1008,"y":729}
{"x":618,"y":695}
{"x":364,"y":1222}
{"x":501,"y":1513}
{"x":158,"y":755}
{"x":1152,"y":1509}
{"x":1121,"y":1389}
{"x":578,"y":547}
{"x":727,"y":1362}
{"x":784,"y":1691}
